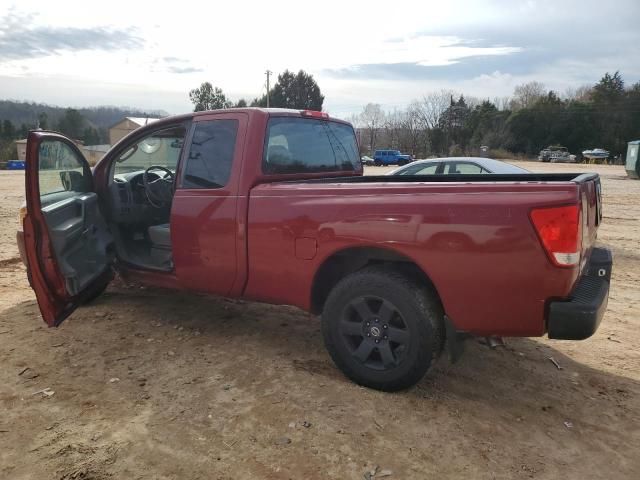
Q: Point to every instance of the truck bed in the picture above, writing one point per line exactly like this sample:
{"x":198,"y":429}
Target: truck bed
{"x":475,"y":178}
{"x":471,"y":234}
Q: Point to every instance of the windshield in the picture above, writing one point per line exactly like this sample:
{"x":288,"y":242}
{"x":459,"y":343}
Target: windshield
{"x":160,"y":148}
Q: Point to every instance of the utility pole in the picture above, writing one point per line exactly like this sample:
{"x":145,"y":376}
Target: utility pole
{"x":268,"y":72}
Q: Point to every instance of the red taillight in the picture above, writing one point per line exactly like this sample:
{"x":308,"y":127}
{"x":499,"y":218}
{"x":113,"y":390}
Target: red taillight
{"x":314,"y":113}
{"x":560,"y":233}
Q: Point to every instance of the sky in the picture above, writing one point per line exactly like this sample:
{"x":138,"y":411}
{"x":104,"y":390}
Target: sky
{"x":150,"y":54}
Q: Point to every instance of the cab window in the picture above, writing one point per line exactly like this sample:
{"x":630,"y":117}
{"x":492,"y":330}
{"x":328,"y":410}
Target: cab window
{"x":161,"y":148}
{"x":303,"y":145}
{"x":211,"y":154}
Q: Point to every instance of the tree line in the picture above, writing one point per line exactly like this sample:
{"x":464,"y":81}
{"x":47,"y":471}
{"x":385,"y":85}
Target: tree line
{"x":291,"y":90}
{"x":605,"y":115}
{"x":89,"y":124}
{"x":72,"y":124}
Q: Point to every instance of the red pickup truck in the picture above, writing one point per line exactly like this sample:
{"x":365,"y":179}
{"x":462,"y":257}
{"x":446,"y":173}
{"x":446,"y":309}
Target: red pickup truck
{"x":271,"y":205}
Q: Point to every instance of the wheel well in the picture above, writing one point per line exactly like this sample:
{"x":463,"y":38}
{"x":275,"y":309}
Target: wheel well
{"x":345,"y":262}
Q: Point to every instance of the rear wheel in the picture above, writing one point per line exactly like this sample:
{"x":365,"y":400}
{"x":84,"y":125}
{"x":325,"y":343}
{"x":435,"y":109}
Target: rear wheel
{"x":383,"y":330}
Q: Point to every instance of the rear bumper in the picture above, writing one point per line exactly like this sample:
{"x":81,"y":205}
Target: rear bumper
{"x":579,"y":317}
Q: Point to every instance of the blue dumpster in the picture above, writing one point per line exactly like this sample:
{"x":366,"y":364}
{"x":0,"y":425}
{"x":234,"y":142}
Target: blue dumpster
{"x":15,"y":165}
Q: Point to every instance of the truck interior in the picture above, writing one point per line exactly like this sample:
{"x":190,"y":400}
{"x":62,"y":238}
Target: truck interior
{"x":135,"y":224}
{"x":141,"y":190}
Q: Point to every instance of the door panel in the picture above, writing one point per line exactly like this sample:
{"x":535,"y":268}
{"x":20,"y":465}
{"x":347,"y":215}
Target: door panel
{"x":80,"y":240}
{"x":205,"y":220}
{"x":67,"y":243}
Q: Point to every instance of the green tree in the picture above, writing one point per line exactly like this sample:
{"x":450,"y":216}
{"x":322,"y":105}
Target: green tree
{"x":241,"y":103}
{"x":296,"y":91}
{"x":8,"y":151}
{"x":208,"y":97}
{"x":72,"y":124}
{"x":43,"y":120}
{"x":610,"y":88}
{"x":299,"y":91}
{"x":90,"y":136}
{"x":613,"y":112}
{"x":23,"y":131}
{"x":8,"y":130}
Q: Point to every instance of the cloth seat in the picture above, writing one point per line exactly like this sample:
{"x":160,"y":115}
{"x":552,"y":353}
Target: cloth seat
{"x":160,"y":235}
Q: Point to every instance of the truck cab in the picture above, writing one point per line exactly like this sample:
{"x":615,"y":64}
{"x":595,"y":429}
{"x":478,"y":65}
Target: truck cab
{"x":166,"y":203}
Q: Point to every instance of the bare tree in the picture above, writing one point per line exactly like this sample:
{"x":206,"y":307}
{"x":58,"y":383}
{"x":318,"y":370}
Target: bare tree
{"x":393,"y":128}
{"x":433,"y":105}
{"x":371,"y":119}
{"x":502,"y":103}
{"x":472,"y":102}
{"x":527,"y":94}
{"x":580,"y":94}
{"x":413,"y":130}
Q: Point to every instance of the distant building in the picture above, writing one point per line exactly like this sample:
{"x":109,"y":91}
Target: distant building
{"x":126,"y":126}
{"x":94,"y":153}
{"x":21,"y":146}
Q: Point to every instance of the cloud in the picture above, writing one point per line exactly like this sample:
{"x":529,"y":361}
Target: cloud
{"x":186,"y":69}
{"x":394,"y":55}
{"x":179,"y":65}
{"x":21,"y":38}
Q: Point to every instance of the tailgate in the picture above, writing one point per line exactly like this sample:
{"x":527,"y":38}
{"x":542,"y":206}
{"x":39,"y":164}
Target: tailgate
{"x":591,"y":201}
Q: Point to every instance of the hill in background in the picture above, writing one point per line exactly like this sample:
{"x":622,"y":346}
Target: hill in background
{"x":90,"y":125}
{"x":27,"y":113}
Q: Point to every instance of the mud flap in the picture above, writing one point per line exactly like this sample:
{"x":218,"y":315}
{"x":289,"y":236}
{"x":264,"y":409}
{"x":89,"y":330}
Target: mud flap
{"x":454,"y":340}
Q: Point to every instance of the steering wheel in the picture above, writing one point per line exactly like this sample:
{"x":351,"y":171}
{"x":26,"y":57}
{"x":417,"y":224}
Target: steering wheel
{"x":160,"y":190}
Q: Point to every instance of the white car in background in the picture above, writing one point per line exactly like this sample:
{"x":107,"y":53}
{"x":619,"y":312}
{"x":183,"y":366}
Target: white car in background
{"x":457,"y":166}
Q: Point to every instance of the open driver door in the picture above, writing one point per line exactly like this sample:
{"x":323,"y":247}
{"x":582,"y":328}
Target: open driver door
{"x":67,"y":242}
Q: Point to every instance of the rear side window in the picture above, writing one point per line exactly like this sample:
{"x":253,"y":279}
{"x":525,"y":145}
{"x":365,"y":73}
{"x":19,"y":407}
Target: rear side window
{"x":304,"y":145}
{"x":420,"y":169}
{"x":463,"y":168}
{"x":426,"y":170}
{"x":211,"y":154}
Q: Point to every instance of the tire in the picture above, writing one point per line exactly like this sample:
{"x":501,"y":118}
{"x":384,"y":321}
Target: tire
{"x":383,"y":330}
{"x":377,"y":164}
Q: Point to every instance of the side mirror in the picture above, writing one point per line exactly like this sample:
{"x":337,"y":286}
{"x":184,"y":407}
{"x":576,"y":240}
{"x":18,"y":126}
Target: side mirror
{"x":73,"y":181}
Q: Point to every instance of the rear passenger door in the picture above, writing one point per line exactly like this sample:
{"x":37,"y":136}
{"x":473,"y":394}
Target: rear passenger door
{"x":205,"y":210}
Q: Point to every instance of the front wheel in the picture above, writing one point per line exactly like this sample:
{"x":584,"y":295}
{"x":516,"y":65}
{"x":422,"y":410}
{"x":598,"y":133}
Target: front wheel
{"x":383,"y":330}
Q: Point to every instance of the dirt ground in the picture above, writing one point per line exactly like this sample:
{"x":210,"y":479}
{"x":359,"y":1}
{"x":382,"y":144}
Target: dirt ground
{"x":154,"y":386}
